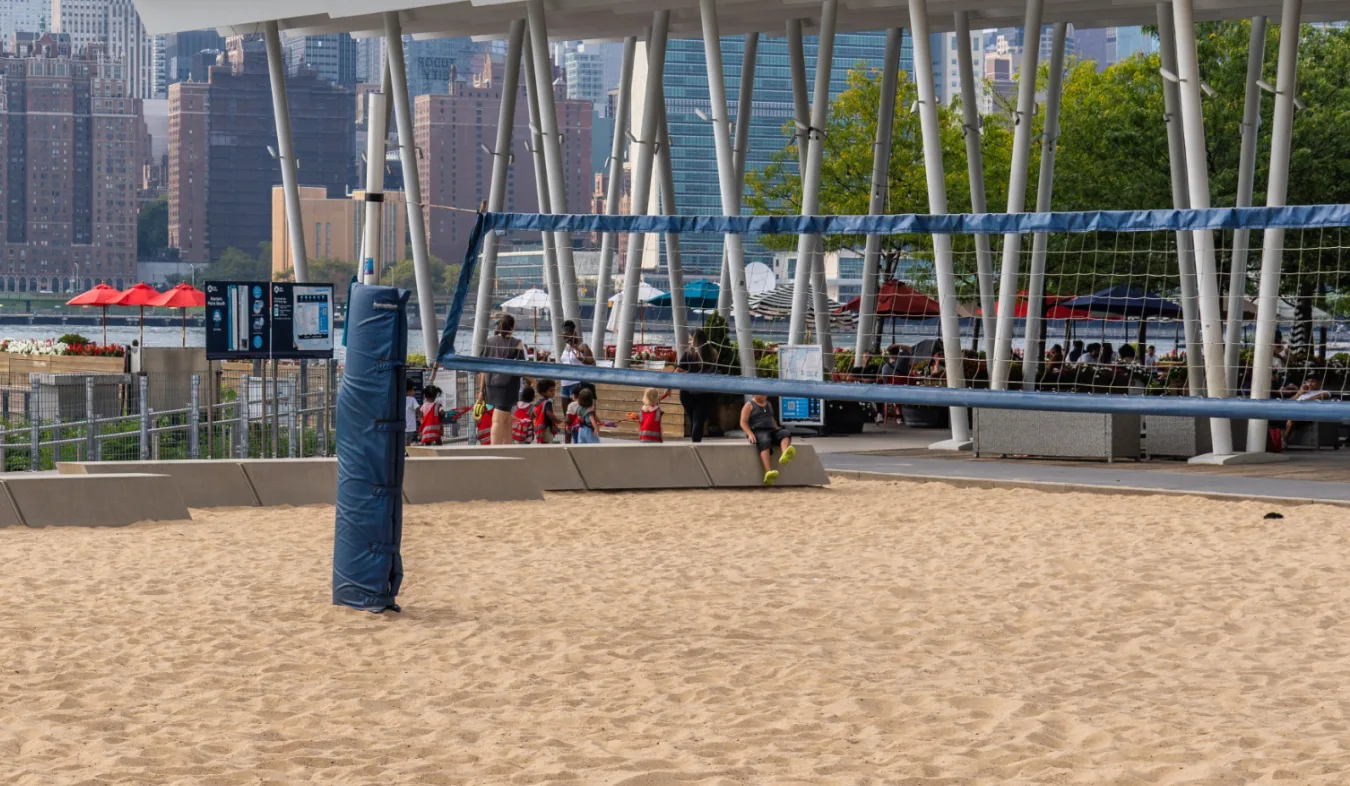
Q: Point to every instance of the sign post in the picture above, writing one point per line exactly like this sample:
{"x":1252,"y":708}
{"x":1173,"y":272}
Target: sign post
{"x":801,"y":362}
{"x":266,"y":320}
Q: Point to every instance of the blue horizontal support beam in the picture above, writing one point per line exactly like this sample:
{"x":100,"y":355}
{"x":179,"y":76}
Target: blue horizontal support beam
{"x":915,"y":395}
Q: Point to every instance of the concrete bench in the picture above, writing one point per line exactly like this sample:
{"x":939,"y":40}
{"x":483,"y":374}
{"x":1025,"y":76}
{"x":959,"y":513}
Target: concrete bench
{"x":469,"y":478}
{"x":736,"y":465}
{"x":202,"y":483}
{"x":307,"y":481}
{"x":551,"y":465}
{"x":114,"y":500}
{"x":631,"y":466}
{"x":1014,"y":432}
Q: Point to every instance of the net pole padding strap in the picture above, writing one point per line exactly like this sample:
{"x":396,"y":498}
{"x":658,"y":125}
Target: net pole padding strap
{"x":1181,"y":406}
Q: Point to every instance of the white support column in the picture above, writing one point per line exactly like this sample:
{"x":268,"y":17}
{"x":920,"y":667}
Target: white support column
{"x":642,"y":180}
{"x":372,"y":235}
{"x":553,"y":157}
{"x":937,"y":204}
{"x":1017,"y":196}
{"x":1277,"y":191}
{"x":665,"y":178}
{"x":1193,"y":123}
{"x":412,"y":187}
{"x":1237,"y":275}
{"x":810,"y":254}
{"x":881,"y":181}
{"x":281,"y":109}
{"x":971,"y":125}
{"x":727,"y":183}
{"x":501,"y":164}
{"x":386,"y":87}
{"x":740,"y":148}
{"x":1181,"y":200}
{"x":1031,"y":363}
{"x":536,"y":147}
{"x":613,"y":192}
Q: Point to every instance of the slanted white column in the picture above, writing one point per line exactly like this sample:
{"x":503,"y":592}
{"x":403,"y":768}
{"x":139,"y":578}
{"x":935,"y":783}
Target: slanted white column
{"x":665,"y":178}
{"x":740,"y":148}
{"x":1277,"y":191}
{"x":553,"y":157}
{"x":809,"y":248}
{"x":1193,"y":123}
{"x":386,"y":87}
{"x":728,"y":183}
{"x":970,"y":128}
{"x":290,"y":188}
{"x":613,"y":192}
{"x":536,"y":147}
{"x":642,"y":182}
{"x":412,"y":187}
{"x":1017,"y":196}
{"x":1237,"y":274}
{"x":881,"y":181}
{"x":373,"y":261}
{"x":501,"y":163}
{"x":1181,"y":200}
{"x":937,"y":204}
{"x":1031,"y":364}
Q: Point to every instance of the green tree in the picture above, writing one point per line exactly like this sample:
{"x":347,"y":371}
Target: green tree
{"x":403,"y":275}
{"x":236,"y":265}
{"x":324,"y":270}
{"x":152,"y":229}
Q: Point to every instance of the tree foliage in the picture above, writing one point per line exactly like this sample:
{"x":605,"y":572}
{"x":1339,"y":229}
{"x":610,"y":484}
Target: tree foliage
{"x":152,"y":229}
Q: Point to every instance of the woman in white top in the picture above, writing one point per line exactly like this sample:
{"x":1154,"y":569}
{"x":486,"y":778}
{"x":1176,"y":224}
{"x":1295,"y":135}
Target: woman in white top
{"x":575,"y":353}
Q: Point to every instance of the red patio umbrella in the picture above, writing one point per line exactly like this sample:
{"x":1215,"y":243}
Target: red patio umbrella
{"x":898,"y":299}
{"x":101,"y":295}
{"x":1053,"y":309}
{"x":184,"y":296}
{"x":139,"y":295}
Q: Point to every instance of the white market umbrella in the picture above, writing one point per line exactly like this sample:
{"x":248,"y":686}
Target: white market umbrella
{"x":759,"y":278}
{"x":531,"y":302}
{"x":646,"y":292}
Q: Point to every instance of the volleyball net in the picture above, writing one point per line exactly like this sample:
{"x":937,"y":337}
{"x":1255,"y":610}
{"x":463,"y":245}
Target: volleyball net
{"x":1107,"y":312}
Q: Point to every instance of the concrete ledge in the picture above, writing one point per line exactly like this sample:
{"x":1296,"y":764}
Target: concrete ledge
{"x":465,"y":479}
{"x":95,"y":500}
{"x":617,"y":467}
{"x":551,"y":465}
{"x":202,"y":483}
{"x":308,"y":481}
{"x":736,"y":465}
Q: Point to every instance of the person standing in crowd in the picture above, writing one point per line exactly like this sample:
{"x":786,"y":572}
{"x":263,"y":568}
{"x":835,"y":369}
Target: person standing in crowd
{"x":575,"y":353}
{"x":411,"y":421}
{"x":522,"y":418}
{"x":649,"y":419}
{"x":545,"y":418}
{"x":698,"y":358}
{"x":500,"y":390}
{"x":432,"y":415}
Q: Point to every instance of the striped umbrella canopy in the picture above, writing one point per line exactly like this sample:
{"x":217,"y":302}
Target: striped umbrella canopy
{"x":777,"y":304}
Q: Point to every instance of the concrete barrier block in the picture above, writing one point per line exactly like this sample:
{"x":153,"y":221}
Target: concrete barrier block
{"x":736,"y":465}
{"x":202,"y":483}
{"x":631,"y":466}
{"x":95,"y":500}
{"x":466,"y":479}
{"x":551,"y":465}
{"x":307,"y":481}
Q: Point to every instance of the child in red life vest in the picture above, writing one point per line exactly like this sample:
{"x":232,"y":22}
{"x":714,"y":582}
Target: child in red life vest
{"x":546,"y":428}
{"x":483,"y":424}
{"x":649,"y":419}
{"x":430,"y":431}
{"x":522,"y":418}
{"x":573,"y":421}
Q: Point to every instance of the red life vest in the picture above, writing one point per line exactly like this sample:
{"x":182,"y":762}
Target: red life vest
{"x":522,"y":424}
{"x":544,"y":422}
{"x":484,"y":426}
{"x":649,"y":426}
{"x":430,"y":433}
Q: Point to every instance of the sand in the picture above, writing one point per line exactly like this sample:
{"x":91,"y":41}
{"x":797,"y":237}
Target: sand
{"x":871,"y":633}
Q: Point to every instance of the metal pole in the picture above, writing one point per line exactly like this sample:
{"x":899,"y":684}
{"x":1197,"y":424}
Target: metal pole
{"x":292,"y":423}
{"x":642,"y":179}
{"x":1181,"y":199}
{"x":241,"y":436}
{"x":881,"y":180}
{"x":1031,"y":361}
{"x":212,"y":398}
{"x":194,"y":418}
{"x":536,"y":148}
{"x":665,"y":179}
{"x":35,"y":423}
{"x":971,"y":125}
{"x":937,"y":204}
{"x":144,"y":383}
{"x":412,"y":190}
{"x":299,"y":412}
{"x":613,"y":193}
{"x":373,"y":262}
{"x":295,"y":226}
{"x":1277,"y":191}
{"x":727,"y":182}
{"x":1237,"y":275}
{"x":1193,"y":123}
{"x":553,"y":160}
{"x":1017,"y":196}
{"x":501,"y":162}
{"x":90,"y":424}
{"x":739,"y":149}
{"x":386,"y":87}
{"x":276,"y":410}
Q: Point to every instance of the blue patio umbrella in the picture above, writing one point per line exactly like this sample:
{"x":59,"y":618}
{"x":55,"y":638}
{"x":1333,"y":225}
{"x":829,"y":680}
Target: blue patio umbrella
{"x":1125,"y":301}
{"x":697,"y":294}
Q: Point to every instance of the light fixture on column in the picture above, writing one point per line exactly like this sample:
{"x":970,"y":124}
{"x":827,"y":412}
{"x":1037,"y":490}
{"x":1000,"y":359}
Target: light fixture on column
{"x":1299,"y":103}
{"x":1205,"y":87}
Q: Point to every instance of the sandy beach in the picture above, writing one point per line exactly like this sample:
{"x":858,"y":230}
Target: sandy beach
{"x":866,"y":634}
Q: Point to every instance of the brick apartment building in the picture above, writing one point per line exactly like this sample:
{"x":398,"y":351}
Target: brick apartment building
{"x":220,"y":171}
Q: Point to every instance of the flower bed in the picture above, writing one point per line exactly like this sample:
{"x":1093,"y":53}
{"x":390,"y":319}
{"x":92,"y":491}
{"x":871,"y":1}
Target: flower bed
{"x":52,"y":347}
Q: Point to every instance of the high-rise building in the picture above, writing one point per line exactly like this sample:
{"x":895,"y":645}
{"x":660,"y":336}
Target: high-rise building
{"x":584,"y":73}
{"x":456,"y":134}
{"x":369,"y":60}
{"x":1092,"y":45}
{"x":332,"y":57}
{"x":115,"y":26}
{"x":1000,"y":76}
{"x":334,"y":227}
{"x":220,"y":171}
{"x":32,"y":16}
{"x":430,"y":62}
{"x":947,"y":72}
{"x":181,"y":51}
{"x":1133,"y":40}
{"x":71,"y":139}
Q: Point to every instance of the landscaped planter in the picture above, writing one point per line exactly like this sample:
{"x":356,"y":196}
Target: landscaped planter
{"x":1172,"y":436}
{"x":1012,"y":432}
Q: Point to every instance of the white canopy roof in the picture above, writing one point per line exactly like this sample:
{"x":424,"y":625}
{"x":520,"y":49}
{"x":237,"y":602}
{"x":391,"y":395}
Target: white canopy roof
{"x":613,"y":19}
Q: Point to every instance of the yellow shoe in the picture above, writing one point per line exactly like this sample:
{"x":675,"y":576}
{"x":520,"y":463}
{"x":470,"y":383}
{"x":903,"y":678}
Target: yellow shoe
{"x":771,"y":477}
{"x":788,"y":456}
